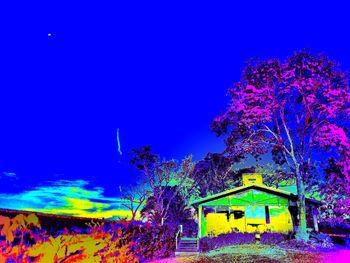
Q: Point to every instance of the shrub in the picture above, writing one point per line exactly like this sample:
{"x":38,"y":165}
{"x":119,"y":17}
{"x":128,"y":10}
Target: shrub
{"x":321,"y":240}
{"x":298,"y":244}
{"x":149,"y":241}
{"x":316,"y":241}
{"x":210,"y":243}
{"x":190,"y":228}
{"x":122,"y":241}
{"x":273,"y":238}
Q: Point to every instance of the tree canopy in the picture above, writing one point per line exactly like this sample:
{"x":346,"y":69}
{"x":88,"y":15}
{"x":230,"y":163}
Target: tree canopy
{"x":297,"y":110}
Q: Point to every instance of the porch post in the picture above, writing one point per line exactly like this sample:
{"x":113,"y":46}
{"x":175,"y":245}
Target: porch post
{"x":314,"y":217}
{"x":199,"y":221}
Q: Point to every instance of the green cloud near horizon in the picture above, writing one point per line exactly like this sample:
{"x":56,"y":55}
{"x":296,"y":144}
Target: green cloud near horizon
{"x":66,"y":197}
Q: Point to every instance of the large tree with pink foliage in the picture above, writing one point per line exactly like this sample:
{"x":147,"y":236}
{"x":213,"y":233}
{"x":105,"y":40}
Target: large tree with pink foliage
{"x":297,"y":109}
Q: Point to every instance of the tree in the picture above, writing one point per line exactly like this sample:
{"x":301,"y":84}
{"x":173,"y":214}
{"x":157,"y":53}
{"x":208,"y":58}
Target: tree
{"x":134,"y":198}
{"x":160,"y":176}
{"x":275,"y":176}
{"x":214,"y":173}
{"x":178,"y":213}
{"x":296,"y":109}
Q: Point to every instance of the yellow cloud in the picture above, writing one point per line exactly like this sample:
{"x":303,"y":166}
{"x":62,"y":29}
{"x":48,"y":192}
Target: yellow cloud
{"x":83,"y":204}
{"x":69,"y":198}
{"x":83,"y":213}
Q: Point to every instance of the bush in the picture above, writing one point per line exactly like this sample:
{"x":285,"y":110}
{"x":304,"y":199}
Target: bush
{"x":149,"y":241}
{"x":210,"y":243}
{"x":190,"y":228}
{"x":273,"y":238}
{"x":321,"y":240}
{"x":316,"y":241}
{"x":119,"y":242}
{"x":298,"y":244}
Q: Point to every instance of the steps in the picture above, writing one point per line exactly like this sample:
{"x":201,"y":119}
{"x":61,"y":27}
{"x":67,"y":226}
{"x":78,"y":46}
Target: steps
{"x":187,"y":247}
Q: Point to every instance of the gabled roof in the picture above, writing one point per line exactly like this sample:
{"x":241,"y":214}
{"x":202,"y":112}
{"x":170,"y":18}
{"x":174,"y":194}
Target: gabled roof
{"x":263,"y":188}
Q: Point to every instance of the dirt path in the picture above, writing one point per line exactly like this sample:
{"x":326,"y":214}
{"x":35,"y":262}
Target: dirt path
{"x":263,"y":254}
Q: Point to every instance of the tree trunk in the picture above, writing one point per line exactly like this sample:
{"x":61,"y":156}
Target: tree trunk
{"x":301,"y":232}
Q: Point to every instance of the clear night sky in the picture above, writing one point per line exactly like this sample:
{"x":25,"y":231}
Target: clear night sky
{"x":158,"y":72}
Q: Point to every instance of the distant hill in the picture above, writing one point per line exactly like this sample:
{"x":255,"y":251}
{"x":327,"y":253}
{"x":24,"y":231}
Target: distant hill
{"x":56,"y":223}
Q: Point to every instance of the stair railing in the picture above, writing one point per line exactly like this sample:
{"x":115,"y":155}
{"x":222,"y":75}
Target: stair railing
{"x":178,"y":235}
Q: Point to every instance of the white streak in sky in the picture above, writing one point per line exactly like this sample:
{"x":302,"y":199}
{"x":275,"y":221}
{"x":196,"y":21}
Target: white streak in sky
{"x":120,"y":152}
{"x":9,"y":175}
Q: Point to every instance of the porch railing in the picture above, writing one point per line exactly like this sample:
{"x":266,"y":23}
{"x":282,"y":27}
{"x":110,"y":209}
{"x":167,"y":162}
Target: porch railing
{"x":178,"y":235}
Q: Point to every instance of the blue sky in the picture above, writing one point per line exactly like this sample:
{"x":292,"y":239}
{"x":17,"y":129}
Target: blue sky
{"x":157,"y":71}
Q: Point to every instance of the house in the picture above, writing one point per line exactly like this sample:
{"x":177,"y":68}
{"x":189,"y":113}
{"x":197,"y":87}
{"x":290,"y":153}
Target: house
{"x":253,"y":207}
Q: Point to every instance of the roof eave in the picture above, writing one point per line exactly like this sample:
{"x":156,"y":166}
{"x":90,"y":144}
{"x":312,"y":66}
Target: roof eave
{"x":242,"y":188}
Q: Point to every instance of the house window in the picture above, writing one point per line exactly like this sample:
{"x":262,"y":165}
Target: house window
{"x":237,"y":214}
{"x":267,"y":215}
{"x":208,"y":210}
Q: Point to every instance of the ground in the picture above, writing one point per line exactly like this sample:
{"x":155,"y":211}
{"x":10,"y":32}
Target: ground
{"x":263,"y":253}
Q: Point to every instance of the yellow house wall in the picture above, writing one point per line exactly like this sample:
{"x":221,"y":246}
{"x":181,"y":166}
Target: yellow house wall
{"x":280,"y":221}
{"x":216,"y":223}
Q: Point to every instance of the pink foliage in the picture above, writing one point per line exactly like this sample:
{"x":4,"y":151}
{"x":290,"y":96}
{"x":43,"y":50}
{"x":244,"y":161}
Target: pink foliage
{"x":306,"y":92}
{"x":330,"y":135}
{"x":254,"y":103}
{"x":297,"y":108}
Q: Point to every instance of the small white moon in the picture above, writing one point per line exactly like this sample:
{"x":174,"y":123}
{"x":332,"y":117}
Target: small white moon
{"x":49,"y":34}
